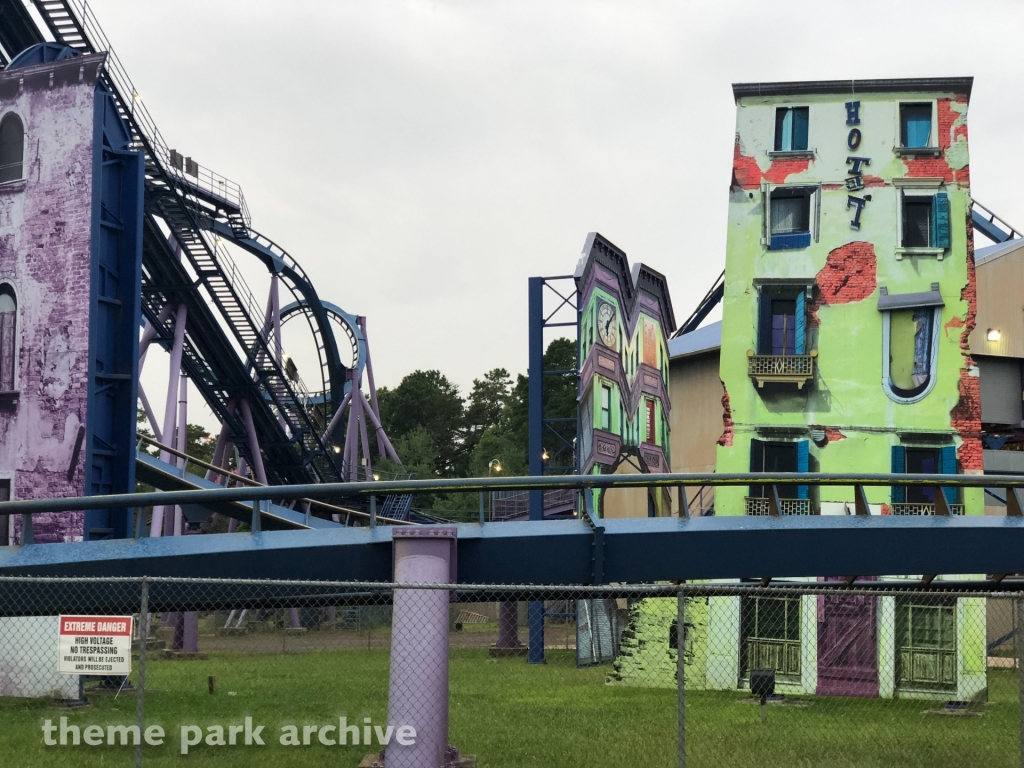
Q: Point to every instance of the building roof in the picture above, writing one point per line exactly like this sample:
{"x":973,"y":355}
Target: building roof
{"x":704,"y":339}
{"x":895,"y":85}
{"x":993,"y":252}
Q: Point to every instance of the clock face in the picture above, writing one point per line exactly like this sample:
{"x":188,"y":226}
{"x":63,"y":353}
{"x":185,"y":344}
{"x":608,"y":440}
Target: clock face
{"x":606,"y":327}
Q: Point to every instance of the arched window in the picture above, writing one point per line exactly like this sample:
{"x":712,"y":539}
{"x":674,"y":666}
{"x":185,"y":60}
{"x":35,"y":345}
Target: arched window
{"x":910,"y":338}
{"x":8,"y":337}
{"x":12,"y":148}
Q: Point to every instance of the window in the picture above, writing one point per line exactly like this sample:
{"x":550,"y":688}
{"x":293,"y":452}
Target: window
{"x":910,"y":326}
{"x":924,"y":461}
{"x":5,"y":495}
{"x":782,"y":321}
{"x":770,"y":636}
{"x":766,"y":456}
{"x":791,"y":129}
{"x":606,"y":407}
{"x":915,"y":125}
{"x":783,"y":326}
{"x":651,"y":435}
{"x":12,"y":148}
{"x":924,"y":221}
{"x":8,"y":338}
{"x":910,"y":341}
{"x":917,"y":222}
{"x":789,"y":217}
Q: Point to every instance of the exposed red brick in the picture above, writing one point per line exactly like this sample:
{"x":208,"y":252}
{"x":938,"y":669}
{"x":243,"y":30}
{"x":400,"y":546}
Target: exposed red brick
{"x":849,"y":275}
{"x":746,"y":173}
{"x":937,"y":166}
{"x":832,"y":434}
{"x":954,"y":322}
{"x":969,"y":293}
{"x":727,"y":435}
{"x":965,"y":417}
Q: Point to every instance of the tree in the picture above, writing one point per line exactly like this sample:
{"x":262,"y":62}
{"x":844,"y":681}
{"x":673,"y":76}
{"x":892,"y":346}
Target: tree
{"x":428,"y":400}
{"x":486,"y":403}
{"x":559,"y":403}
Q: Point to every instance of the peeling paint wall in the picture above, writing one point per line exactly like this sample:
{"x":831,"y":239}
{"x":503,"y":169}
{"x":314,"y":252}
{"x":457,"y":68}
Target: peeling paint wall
{"x":844,"y":269}
{"x":45,"y":231}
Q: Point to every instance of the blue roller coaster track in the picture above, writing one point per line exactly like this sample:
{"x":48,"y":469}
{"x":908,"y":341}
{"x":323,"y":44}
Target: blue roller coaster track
{"x":190,"y":212}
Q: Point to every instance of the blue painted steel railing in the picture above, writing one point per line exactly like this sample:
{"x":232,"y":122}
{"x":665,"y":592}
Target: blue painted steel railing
{"x":476,"y":485}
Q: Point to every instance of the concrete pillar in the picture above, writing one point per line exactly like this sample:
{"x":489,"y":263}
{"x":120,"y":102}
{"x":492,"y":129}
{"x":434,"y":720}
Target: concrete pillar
{"x":418,"y":683}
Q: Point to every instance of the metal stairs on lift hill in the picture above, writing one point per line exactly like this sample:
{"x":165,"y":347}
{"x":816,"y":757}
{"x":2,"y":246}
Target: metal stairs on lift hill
{"x":177,"y":200}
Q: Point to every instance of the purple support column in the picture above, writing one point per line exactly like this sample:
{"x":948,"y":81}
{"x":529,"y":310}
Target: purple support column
{"x":365,"y":440}
{"x":241,"y":468}
{"x":220,"y":450}
{"x":182,"y":445}
{"x":149,"y":414}
{"x":337,"y":415}
{"x":254,"y":444}
{"x":382,"y":438}
{"x":351,"y":452}
{"x":418,"y":682}
{"x":181,"y":314}
{"x":150,"y":333}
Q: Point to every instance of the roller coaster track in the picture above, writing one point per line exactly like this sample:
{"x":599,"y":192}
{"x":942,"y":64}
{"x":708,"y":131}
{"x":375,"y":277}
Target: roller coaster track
{"x":190,"y":211}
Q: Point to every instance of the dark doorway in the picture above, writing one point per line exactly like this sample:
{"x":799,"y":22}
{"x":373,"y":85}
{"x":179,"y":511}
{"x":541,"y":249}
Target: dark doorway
{"x":773,"y":457}
{"x":925,"y":461}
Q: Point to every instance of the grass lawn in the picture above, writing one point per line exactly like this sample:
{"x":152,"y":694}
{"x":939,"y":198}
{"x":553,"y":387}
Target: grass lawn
{"x":512,"y":715}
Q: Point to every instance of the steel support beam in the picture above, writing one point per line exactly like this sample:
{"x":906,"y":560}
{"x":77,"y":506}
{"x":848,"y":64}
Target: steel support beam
{"x":561,"y":552}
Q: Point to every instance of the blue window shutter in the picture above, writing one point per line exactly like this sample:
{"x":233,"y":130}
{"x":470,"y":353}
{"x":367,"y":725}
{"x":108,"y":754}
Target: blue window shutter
{"x":899,"y":467}
{"x":801,"y":323}
{"x":803,"y":462}
{"x":799,"y":128}
{"x":789,"y":242}
{"x":764,"y":324}
{"x":940,"y":219}
{"x":948,"y":463}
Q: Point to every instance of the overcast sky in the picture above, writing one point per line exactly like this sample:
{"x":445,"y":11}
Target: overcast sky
{"x":422,"y":159}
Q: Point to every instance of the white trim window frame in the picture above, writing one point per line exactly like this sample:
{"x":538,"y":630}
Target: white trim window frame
{"x":933,"y":135}
{"x":915,"y":187}
{"x":809,"y":151}
{"x":813,"y":214}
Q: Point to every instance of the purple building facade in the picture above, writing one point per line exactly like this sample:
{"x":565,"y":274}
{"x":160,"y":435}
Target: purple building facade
{"x":48,"y":275}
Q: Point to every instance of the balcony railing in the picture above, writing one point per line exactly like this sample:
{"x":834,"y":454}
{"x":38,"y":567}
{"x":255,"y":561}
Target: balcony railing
{"x":923,"y":508}
{"x":758,"y":505}
{"x":785,"y":369}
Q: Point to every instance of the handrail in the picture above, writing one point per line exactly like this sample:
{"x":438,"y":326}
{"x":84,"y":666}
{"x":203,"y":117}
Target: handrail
{"x":993,"y":217}
{"x":332,"y":508}
{"x":313,"y":491}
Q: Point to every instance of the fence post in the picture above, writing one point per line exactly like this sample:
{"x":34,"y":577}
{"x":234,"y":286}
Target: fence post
{"x":681,"y":669}
{"x":1018,"y":646}
{"x":140,"y":693}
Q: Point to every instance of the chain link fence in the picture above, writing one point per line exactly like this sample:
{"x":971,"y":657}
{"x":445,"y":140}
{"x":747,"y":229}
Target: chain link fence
{"x":299,"y":673}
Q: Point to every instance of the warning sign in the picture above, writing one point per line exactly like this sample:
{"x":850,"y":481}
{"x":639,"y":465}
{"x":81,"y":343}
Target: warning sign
{"x":95,"y":645}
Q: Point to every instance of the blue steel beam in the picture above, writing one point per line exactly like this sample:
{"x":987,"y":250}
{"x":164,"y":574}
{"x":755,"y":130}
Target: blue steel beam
{"x":560,"y":552}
